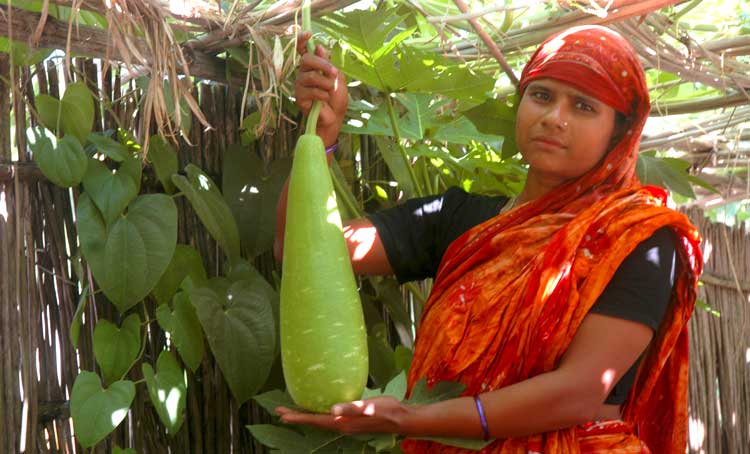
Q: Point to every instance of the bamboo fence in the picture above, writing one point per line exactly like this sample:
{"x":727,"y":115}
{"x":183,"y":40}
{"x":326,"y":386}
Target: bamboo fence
{"x":39,"y":292}
{"x":720,"y":345}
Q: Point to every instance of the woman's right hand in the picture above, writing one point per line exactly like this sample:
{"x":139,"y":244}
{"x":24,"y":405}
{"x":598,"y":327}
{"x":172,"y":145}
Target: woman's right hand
{"x":319,"y":80}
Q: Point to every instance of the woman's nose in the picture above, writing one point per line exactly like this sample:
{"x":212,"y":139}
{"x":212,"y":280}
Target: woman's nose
{"x":556,"y":116}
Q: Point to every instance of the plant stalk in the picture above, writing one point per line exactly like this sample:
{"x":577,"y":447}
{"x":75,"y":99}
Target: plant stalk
{"x":402,"y":149}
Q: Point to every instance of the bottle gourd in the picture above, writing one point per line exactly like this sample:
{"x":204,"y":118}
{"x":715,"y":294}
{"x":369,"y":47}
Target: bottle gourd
{"x":323,"y":336}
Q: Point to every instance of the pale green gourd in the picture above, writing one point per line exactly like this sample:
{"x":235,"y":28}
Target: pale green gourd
{"x":323,"y":336}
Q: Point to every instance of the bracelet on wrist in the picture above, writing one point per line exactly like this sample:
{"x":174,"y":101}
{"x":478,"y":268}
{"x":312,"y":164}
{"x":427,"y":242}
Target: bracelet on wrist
{"x":332,"y":148}
{"x":482,"y":418}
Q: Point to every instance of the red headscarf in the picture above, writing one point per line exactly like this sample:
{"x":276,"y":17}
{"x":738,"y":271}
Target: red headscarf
{"x":511,"y":293}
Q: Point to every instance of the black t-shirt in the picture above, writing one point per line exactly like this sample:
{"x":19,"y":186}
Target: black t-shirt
{"x":417,"y":233}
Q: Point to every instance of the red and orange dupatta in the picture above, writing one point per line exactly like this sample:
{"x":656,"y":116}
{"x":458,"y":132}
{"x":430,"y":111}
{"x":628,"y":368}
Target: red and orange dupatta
{"x":511,"y":293}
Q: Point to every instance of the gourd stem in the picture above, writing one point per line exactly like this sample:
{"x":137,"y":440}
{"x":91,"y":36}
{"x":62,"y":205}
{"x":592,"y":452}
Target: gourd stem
{"x":312,"y":118}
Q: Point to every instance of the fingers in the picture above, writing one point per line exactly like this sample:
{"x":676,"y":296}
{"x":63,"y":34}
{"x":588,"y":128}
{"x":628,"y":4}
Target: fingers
{"x":302,"y":39}
{"x":317,"y":63}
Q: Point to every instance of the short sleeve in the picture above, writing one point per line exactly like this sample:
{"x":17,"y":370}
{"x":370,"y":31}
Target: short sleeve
{"x":641,"y":287}
{"x":416,"y":234}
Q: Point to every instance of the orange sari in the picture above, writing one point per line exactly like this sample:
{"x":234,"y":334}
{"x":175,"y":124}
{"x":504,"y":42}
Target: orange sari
{"x":511,"y":293}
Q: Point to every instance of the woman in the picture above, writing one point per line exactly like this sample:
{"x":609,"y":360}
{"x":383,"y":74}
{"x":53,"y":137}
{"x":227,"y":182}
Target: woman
{"x":563,"y":311}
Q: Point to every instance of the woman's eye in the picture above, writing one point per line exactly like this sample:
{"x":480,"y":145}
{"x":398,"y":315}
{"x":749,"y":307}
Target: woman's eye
{"x":542,"y":95}
{"x":585,"y":107}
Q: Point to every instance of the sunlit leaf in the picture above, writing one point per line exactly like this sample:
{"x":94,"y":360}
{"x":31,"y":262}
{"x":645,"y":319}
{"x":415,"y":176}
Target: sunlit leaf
{"x":62,"y":161}
{"x":252,"y":189}
{"x":111,"y":148}
{"x":113,"y":191}
{"x":96,"y":411}
{"x":167,"y":389}
{"x":670,"y":173}
{"x":184,"y":329}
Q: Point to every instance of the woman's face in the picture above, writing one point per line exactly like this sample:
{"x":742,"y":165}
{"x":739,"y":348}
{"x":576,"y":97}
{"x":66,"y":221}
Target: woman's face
{"x":561,"y":132}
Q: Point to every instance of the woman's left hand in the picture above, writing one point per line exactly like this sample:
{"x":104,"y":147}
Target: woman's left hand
{"x":377,"y":415}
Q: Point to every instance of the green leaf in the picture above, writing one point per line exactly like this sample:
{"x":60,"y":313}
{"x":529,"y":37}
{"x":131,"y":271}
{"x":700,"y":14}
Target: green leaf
{"x":128,"y":260}
{"x":62,"y":161}
{"x":251,"y":191}
{"x":239,"y":324}
{"x":366,"y":53}
{"x":287,"y":440}
{"x":20,"y":52}
{"x":168,"y":390}
{"x":184,"y":329}
{"x":48,"y":109}
{"x":75,"y":325}
{"x":465,"y":443}
{"x":110,"y":148}
{"x":275,"y":398}
{"x":421,"y":394}
{"x":701,"y":304}
{"x":397,"y":386}
{"x":77,"y":111}
{"x":402,"y":356}
{"x":113,"y":191}
{"x":703,"y":183}
{"x":119,"y":450}
{"x":494,"y":117}
{"x":97,"y":412}
{"x":211,"y":208}
{"x":366,"y":32}
{"x":164,"y":159}
{"x":115,"y":349}
{"x":186,"y":261}
{"x":382,"y":367}
{"x":670,"y":173}
{"x":389,"y":150}
{"x":249,"y":123}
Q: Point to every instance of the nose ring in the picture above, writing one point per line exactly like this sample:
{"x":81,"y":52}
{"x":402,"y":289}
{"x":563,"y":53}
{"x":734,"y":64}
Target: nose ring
{"x":565,"y":124}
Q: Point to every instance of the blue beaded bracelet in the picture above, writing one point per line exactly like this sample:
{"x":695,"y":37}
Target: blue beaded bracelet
{"x":332,"y":148}
{"x":482,"y":418}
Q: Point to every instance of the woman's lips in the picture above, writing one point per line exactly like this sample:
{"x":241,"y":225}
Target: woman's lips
{"x":548,"y":142}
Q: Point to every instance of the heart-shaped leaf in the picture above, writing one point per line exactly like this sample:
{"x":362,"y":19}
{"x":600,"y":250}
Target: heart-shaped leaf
{"x":48,"y":109}
{"x":164,"y":159}
{"x":211,"y":208}
{"x":111,"y":148}
{"x":184,"y":329}
{"x":77,"y":111}
{"x":129,"y":259}
{"x":186,"y":261}
{"x":62,"y":161}
{"x":238,"y":321}
{"x":168,"y":390}
{"x":112,"y":191}
{"x":96,"y":411}
{"x":115,"y":349}
{"x":74,"y":114}
{"x":252,"y":193}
